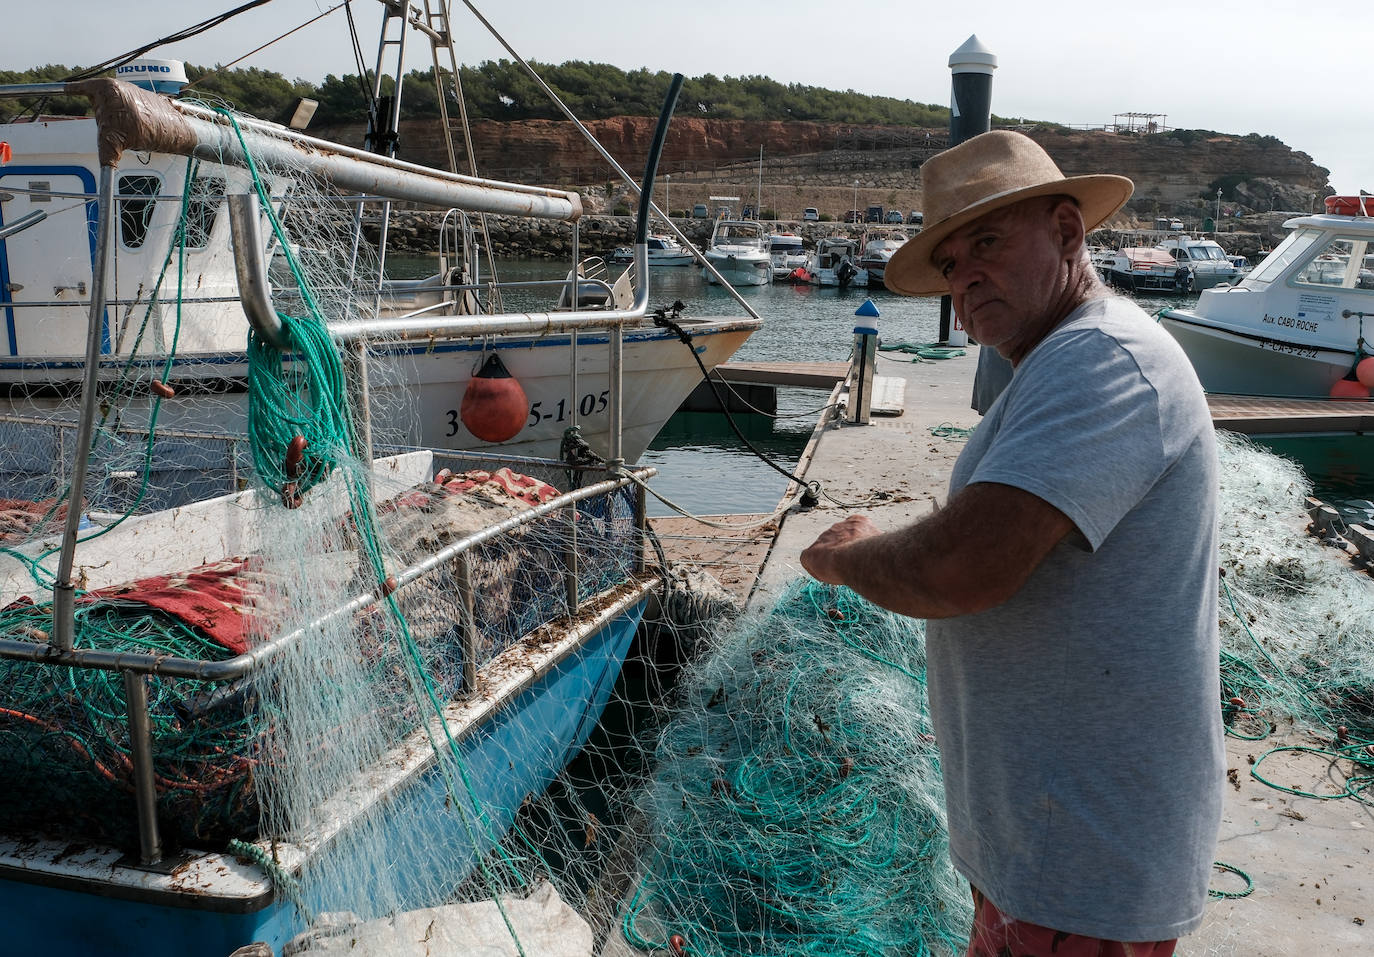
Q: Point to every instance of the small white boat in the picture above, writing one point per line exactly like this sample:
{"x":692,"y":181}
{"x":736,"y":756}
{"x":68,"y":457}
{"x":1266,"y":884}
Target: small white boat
{"x":1146,"y":269}
{"x":836,"y":263}
{"x":878,"y":248}
{"x":739,"y":252}
{"x":789,"y":256}
{"x":189,"y":335}
{"x":1210,"y":264}
{"x":663,"y":251}
{"x":1294,"y":325}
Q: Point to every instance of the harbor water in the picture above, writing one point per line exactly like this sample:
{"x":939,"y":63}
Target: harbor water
{"x":706,"y":469}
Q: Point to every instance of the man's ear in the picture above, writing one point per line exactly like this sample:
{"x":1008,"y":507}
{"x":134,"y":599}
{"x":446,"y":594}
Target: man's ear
{"x":1068,"y":227}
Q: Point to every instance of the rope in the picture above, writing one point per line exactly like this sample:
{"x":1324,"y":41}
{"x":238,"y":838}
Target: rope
{"x":923,"y":350}
{"x":1231,"y":869}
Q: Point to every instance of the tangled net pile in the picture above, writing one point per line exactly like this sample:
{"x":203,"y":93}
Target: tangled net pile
{"x":1297,"y":626}
{"x":798,"y":806}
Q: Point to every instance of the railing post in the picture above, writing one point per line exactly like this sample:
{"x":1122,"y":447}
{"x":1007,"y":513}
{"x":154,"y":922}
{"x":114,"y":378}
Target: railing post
{"x":571,"y":572}
{"x":467,"y":622}
{"x":141,"y":749}
{"x":641,"y":526}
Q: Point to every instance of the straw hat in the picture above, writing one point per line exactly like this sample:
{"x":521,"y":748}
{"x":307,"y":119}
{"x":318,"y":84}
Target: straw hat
{"x":984,"y":174}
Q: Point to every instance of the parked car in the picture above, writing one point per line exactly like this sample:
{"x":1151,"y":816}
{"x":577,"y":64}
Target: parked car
{"x":699,"y":211}
{"x":875,"y":214}
{"x":915,"y":217}
{"x":894,"y":216}
{"x":853,"y":216}
{"x":811,"y":214}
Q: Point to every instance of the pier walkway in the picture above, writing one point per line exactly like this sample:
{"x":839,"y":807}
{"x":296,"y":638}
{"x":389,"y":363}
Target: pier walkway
{"x":1312,"y":861}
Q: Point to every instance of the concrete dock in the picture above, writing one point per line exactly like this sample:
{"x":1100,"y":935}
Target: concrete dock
{"x":1311,"y":861}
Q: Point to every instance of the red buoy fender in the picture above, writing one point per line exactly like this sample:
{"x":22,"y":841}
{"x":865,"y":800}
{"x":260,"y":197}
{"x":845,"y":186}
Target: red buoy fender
{"x":494,"y":405}
{"x":1349,"y":389}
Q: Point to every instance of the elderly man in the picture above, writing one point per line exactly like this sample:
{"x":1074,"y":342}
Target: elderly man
{"x":1071,"y":577}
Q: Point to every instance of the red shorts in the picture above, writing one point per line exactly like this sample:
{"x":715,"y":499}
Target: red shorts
{"x":997,"y":935}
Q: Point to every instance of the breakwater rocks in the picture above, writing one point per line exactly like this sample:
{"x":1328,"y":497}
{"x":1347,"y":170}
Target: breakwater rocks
{"x":598,"y":234}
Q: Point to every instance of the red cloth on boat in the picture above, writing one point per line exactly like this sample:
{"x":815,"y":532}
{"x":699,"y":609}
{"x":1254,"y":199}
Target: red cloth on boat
{"x":211,"y":599}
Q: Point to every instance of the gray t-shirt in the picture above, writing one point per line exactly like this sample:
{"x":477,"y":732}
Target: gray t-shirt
{"x":1079,"y":722}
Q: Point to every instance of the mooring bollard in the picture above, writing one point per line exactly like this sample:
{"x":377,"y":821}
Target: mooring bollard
{"x":861,"y":375}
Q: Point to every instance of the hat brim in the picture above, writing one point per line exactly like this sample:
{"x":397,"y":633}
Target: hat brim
{"x":910,"y":271}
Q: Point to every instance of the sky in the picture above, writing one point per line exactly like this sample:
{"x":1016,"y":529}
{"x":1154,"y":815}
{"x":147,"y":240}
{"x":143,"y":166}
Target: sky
{"x":1277,"y":68}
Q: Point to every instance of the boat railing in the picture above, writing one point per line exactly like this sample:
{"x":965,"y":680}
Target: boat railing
{"x":130,"y":118}
{"x":585,"y":591}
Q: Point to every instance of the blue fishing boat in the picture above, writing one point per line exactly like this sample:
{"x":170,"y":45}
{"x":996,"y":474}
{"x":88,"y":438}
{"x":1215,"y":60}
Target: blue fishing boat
{"x":242,"y":668}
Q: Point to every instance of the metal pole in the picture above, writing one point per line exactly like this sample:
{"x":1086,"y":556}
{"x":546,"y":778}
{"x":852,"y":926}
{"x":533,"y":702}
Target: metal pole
{"x":615,"y":459}
{"x":570,"y":563}
{"x":64,"y":592}
{"x":467,"y":622}
{"x":141,"y":749}
{"x":970,"y":113}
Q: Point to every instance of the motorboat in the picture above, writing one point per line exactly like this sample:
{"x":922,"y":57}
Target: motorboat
{"x":877,"y":249}
{"x":1144,"y":269}
{"x":663,"y":251}
{"x":835,"y":262}
{"x":1210,"y":264}
{"x":739,"y":253}
{"x":1296,"y":324}
{"x":788,"y":255}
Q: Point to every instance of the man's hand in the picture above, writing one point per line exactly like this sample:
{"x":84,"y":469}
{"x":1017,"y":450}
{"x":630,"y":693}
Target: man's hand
{"x":824,"y":558}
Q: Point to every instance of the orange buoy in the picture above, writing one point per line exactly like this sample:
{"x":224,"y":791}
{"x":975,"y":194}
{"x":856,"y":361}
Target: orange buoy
{"x":1349,"y":389}
{"x":494,"y":405}
{"x":1364,"y":371}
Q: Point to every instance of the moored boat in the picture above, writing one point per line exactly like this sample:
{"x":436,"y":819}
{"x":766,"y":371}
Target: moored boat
{"x":739,"y":253}
{"x":356,"y":661}
{"x":835,"y":262}
{"x":1209,"y":263}
{"x":876,"y":250}
{"x":1146,"y":269}
{"x":1296,"y":324}
{"x":177,"y":318}
{"x":788,"y":255}
{"x":663,"y":251}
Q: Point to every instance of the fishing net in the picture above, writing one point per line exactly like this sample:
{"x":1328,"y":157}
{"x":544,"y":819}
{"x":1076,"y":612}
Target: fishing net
{"x":429,"y":708}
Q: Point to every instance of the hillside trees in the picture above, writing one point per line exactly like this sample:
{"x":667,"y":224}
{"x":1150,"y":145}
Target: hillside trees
{"x":502,"y":90}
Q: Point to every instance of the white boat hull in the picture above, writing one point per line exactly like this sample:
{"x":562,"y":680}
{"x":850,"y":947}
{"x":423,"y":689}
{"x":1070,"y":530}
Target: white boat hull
{"x":740,"y":269}
{"x":417,"y":390}
{"x":1236,"y":363}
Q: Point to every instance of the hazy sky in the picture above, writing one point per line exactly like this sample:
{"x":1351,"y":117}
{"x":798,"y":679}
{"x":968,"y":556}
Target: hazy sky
{"x":1286,"y":69}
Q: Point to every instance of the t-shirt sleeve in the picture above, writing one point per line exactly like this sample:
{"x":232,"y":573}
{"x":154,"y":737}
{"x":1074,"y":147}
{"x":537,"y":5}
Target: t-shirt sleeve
{"x":1081,"y":431}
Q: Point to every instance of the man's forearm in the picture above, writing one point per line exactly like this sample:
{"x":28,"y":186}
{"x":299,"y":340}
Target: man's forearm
{"x":971,"y":555}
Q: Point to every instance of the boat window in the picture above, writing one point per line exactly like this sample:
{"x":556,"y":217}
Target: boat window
{"x":1338,"y":264}
{"x":1294,"y":246}
{"x":135,"y":212}
{"x":201,"y":208}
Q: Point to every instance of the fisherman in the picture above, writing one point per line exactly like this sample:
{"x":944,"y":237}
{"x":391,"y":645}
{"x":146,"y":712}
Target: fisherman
{"x":1070,"y":580}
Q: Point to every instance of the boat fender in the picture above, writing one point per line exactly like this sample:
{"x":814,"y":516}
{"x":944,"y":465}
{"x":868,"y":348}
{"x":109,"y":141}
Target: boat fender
{"x":1349,"y":388}
{"x":1364,"y":371}
{"x":494,"y":406}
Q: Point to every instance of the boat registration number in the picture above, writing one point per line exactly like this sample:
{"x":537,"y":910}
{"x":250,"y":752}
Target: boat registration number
{"x":1288,"y":348}
{"x":547,"y":411}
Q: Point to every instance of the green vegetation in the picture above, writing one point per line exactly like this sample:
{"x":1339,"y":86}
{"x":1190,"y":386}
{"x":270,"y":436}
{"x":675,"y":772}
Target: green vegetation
{"x":501,"y":90}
